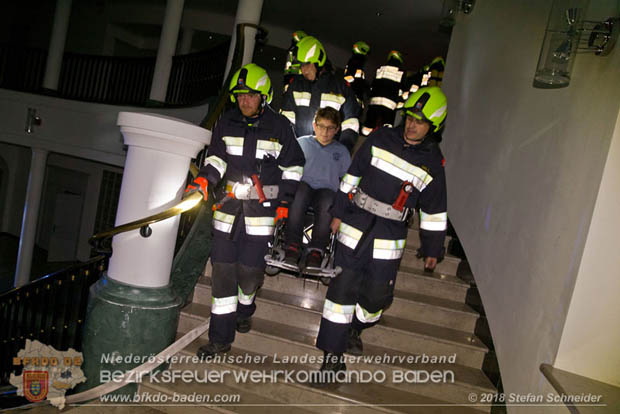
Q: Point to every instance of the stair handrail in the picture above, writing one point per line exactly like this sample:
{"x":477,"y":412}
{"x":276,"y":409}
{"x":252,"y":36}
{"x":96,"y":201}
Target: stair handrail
{"x":101,"y":241}
{"x":115,"y":80}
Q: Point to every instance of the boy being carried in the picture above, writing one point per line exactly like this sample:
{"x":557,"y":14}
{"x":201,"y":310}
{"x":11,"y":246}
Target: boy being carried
{"x":327,"y":161}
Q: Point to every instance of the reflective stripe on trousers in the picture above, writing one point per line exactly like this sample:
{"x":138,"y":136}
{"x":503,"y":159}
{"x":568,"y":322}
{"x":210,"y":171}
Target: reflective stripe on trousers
{"x":222,"y":306}
{"x":338,"y":313}
{"x":388,"y":249}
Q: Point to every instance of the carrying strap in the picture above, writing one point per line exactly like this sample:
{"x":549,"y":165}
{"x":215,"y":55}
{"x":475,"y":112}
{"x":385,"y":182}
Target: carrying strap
{"x":378,"y":208}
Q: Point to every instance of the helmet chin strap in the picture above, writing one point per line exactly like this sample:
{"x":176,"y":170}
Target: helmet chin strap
{"x":428,"y":134}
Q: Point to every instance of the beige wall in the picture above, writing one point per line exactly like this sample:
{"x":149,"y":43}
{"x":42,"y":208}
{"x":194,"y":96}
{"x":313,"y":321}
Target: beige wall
{"x":79,"y":129}
{"x":591,"y":337}
{"x":524,"y":167}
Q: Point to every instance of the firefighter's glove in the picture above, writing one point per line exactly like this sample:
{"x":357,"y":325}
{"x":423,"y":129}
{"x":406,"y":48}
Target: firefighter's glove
{"x":200,"y":184}
{"x":281,"y":213}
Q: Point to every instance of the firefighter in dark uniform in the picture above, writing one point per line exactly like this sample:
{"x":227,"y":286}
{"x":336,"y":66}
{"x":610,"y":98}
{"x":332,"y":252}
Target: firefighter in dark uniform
{"x":255,"y":151}
{"x":318,"y":88}
{"x":291,"y":68}
{"x":354,"y":73}
{"x":436,"y":69}
{"x":411,"y":83}
{"x":384,"y":94}
{"x":394,"y":170}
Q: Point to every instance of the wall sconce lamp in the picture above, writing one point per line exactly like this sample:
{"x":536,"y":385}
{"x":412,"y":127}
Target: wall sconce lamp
{"x":566,"y":35}
{"x":451,"y":8}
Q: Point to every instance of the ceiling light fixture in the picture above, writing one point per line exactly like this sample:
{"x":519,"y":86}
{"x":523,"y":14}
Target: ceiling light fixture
{"x":451,"y":8}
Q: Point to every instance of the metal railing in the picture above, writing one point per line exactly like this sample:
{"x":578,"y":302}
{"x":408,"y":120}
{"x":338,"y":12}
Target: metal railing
{"x":50,"y":309}
{"x":21,"y":69}
{"x":114,"y":80}
{"x":105,"y":79}
{"x":196,"y":76}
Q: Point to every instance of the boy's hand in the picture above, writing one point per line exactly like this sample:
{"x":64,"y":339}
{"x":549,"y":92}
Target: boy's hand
{"x":335,"y":225}
{"x":430,"y":263}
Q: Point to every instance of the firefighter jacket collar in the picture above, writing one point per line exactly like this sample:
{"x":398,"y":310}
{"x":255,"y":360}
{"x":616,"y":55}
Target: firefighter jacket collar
{"x":424,"y":145}
{"x":262,"y":120}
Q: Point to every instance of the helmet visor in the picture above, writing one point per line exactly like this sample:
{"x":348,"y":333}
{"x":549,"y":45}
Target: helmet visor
{"x":416,"y":115}
{"x":243,"y":89}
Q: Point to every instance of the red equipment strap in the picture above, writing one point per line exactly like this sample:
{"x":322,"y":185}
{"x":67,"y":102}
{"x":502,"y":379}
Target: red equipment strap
{"x":405,"y":190}
{"x":259,"y":189}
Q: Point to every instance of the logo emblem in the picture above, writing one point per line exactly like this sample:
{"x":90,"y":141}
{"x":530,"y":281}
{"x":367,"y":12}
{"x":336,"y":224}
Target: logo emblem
{"x":35,"y":385}
{"x":46,"y":373}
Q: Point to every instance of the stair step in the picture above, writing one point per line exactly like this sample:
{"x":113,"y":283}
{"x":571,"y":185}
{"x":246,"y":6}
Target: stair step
{"x":93,"y":407}
{"x":345,"y":397}
{"x":433,"y":310}
{"x":413,"y":239}
{"x":274,"y":306}
{"x":435,"y":284}
{"x":448,"y":265}
{"x":288,"y":394}
{"x":407,"y":305}
{"x":391,"y":332}
{"x":400,"y":330}
{"x":248,"y":402}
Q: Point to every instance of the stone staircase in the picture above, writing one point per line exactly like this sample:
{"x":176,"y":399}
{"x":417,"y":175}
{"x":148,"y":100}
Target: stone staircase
{"x":432,"y":315}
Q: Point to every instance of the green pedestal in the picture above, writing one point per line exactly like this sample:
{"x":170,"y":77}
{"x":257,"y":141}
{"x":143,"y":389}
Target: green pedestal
{"x":126,"y":322}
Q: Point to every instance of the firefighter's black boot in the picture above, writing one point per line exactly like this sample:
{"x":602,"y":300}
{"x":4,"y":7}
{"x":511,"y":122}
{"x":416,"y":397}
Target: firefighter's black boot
{"x":333,"y":362}
{"x":244,"y":324}
{"x":327,"y":374}
{"x":354,"y":342}
{"x":211,"y":349}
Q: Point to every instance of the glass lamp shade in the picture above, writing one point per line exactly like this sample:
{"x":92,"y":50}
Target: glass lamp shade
{"x":559,"y":48}
{"x":448,"y":14}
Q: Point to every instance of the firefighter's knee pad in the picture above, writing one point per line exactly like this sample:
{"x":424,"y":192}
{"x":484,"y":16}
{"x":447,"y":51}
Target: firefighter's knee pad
{"x":343,"y":288}
{"x":224,"y":279}
{"x":250,"y":278}
{"x":375,"y":296}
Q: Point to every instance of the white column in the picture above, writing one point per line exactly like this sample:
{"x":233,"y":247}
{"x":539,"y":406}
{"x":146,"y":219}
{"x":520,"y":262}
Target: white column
{"x":248,"y":11}
{"x":30,"y":217}
{"x":57,"y":44}
{"x":158,"y":158}
{"x":186,"y":41}
{"x":167,"y":47}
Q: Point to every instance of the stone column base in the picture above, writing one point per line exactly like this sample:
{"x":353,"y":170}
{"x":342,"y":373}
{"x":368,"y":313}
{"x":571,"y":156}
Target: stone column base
{"x":124,"y":326}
